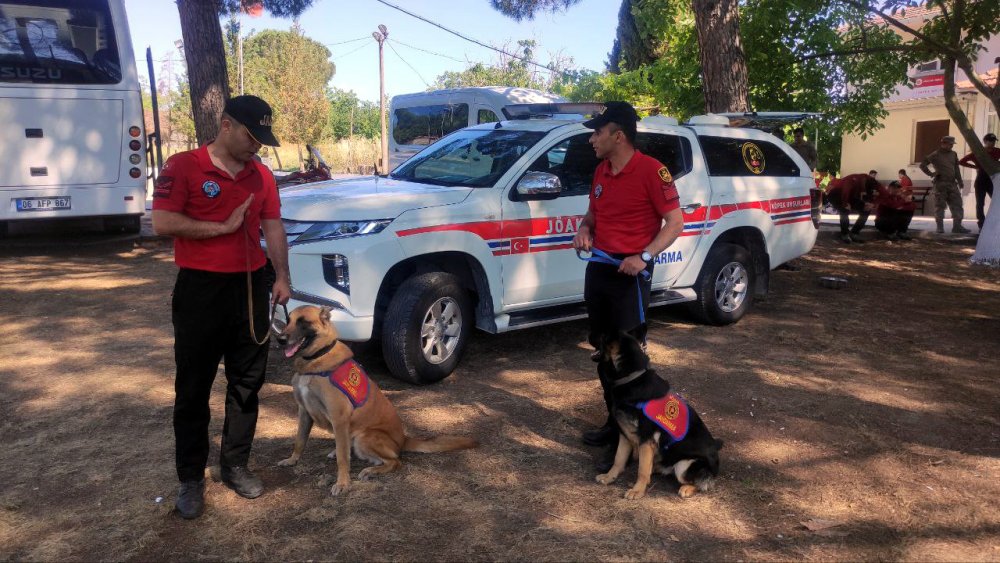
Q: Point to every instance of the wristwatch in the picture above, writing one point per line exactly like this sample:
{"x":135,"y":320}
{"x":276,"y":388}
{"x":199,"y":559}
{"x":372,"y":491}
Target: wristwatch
{"x":646,"y":256}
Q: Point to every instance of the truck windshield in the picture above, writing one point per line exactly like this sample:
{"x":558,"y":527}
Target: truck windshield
{"x":473,"y":158}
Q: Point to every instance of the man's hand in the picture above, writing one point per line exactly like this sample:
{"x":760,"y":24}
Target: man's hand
{"x":632,"y":265}
{"x":281,"y":291}
{"x":236,"y":217}
{"x":583,"y":239}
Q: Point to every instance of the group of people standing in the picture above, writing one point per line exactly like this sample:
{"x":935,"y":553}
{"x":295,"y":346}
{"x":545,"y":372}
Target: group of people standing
{"x":893,"y":204}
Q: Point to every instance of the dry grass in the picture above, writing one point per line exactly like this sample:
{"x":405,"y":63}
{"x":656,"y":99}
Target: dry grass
{"x":835,"y":406}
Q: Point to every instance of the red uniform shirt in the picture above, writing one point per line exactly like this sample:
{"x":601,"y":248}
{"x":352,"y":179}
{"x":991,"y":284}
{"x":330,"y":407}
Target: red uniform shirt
{"x":971,"y":158}
{"x":906,"y":184}
{"x":628,"y":207}
{"x":887,"y":203}
{"x":855,"y":188}
{"x":190,"y":184}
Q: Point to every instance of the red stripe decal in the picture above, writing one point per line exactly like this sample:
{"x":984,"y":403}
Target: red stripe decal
{"x":796,"y":220}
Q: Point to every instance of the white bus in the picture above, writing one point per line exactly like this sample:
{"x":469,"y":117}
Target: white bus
{"x":72,"y":142}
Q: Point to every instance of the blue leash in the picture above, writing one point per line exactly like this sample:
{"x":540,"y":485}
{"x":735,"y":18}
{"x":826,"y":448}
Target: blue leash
{"x":601,"y":257}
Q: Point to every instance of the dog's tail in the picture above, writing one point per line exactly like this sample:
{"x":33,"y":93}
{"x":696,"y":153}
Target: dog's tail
{"x":438,"y":444}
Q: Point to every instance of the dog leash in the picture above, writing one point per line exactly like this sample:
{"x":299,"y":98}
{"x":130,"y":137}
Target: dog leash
{"x":599,"y":256}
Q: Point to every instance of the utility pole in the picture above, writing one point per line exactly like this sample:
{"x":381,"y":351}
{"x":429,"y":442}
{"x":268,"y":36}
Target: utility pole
{"x":381,"y":35}
{"x":239,"y":48}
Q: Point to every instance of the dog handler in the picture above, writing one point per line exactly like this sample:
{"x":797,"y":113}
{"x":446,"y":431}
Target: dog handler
{"x":214,"y":201}
{"x":634,"y":215}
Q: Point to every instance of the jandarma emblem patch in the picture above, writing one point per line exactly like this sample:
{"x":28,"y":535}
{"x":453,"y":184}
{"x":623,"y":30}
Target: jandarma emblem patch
{"x":753,"y":158}
{"x":598,"y":190}
{"x":665,"y":175}
{"x":211,"y":188}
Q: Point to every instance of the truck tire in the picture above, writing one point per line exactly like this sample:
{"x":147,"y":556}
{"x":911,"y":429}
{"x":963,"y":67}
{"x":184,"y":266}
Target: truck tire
{"x":426,"y":328}
{"x":725,"y":285}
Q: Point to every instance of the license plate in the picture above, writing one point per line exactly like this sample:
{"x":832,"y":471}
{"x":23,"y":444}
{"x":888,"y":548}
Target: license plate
{"x":42,"y":203}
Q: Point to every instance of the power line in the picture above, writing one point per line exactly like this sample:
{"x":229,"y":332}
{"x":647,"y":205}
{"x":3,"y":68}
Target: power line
{"x":471,"y":40}
{"x":429,"y":52}
{"x":409,"y":65}
{"x":348,"y":41}
{"x":349,"y":52}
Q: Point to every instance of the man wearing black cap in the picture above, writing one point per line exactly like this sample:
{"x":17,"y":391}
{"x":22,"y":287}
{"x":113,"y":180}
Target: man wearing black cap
{"x":947,"y":180}
{"x":634,"y":215}
{"x":983,"y":185}
{"x":214,"y":201}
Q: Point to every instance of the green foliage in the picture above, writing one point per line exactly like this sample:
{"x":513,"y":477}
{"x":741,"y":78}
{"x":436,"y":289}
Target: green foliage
{"x":345,"y":106}
{"x":526,"y":9}
{"x":290,"y":71}
{"x":508,"y":72}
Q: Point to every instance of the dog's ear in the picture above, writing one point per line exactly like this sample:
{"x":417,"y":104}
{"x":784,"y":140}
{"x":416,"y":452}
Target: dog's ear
{"x":324,"y":315}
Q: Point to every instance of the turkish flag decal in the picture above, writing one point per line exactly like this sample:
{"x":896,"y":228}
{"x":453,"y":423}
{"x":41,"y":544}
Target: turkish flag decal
{"x":519,"y":245}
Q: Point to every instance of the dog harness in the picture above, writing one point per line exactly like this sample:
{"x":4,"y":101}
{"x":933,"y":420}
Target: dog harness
{"x":669,"y":413}
{"x":352,"y":381}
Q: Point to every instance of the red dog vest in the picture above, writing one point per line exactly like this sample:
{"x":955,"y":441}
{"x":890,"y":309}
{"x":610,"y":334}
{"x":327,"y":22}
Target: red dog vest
{"x":669,"y":413}
{"x":352,"y":380}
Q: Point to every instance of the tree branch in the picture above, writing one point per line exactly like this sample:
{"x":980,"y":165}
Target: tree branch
{"x":945,"y":49}
{"x":862,"y":51}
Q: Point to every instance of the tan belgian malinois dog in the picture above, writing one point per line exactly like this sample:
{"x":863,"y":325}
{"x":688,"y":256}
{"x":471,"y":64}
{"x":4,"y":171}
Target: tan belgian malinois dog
{"x":333,"y":392}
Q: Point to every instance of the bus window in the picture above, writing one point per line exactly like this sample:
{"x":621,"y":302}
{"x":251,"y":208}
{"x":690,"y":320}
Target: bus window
{"x":42,"y":42}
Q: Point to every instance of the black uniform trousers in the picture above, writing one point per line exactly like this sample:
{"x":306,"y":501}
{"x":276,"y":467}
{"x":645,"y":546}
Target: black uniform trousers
{"x":613,"y":304}
{"x":211,"y":323}
{"x":844,"y":209}
{"x":983,"y":187}
{"x":894,"y":221}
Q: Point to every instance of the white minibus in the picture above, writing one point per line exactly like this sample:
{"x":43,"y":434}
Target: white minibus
{"x":72,"y":143}
{"x":417,"y":120}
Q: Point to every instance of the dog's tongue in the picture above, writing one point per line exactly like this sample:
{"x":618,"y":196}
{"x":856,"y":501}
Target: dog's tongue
{"x":291,"y":349}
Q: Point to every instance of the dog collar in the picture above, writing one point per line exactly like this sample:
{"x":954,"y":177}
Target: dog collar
{"x":321,"y":352}
{"x":629,"y":378}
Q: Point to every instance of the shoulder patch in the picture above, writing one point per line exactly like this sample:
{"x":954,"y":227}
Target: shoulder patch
{"x":163,"y":186}
{"x":665,"y":174}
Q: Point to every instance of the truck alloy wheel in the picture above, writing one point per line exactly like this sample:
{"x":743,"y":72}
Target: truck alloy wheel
{"x":725,"y":285}
{"x":426,"y":327}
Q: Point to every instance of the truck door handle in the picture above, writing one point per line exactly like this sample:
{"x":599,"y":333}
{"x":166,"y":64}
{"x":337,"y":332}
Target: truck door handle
{"x":691,"y":207}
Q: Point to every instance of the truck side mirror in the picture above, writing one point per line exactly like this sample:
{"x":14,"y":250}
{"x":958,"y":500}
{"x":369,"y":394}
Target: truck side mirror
{"x":535,"y":186}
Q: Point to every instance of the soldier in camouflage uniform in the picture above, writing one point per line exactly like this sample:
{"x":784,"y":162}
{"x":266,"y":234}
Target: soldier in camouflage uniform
{"x":947,"y":184}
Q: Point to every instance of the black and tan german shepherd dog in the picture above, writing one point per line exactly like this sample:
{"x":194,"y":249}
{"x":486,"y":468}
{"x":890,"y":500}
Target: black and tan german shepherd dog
{"x":656,"y":425}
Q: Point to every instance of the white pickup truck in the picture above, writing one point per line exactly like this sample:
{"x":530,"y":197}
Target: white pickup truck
{"x":476,"y":230}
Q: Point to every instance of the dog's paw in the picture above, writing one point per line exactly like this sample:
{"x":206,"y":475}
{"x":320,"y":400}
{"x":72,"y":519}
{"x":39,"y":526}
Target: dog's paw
{"x":339,"y":488}
{"x":687,"y":491}
{"x":606,"y":478}
{"x":289,"y":462}
{"x":635,"y":493}
{"x":366,"y":474}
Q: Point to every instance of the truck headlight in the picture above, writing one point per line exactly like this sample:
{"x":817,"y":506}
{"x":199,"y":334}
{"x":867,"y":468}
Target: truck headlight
{"x":325,"y":230}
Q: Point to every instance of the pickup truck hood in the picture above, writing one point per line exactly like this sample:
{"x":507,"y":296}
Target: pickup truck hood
{"x":363,"y":198}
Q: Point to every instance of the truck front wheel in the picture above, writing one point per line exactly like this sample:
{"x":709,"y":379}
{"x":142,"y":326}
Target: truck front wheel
{"x":725,"y":285}
{"x":426,"y":328}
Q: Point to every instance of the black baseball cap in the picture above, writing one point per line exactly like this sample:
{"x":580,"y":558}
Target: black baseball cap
{"x":619,"y":113}
{"x":253,"y":113}
{"x":990,"y":137}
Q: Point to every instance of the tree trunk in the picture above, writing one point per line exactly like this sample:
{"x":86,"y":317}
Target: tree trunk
{"x":723,"y":67}
{"x":206,"y":64}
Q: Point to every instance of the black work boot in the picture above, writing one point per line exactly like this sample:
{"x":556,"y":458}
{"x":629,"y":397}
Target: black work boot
{"x":191,"y":499}
{"x":243,"y":481}
{"x":603,"y":436}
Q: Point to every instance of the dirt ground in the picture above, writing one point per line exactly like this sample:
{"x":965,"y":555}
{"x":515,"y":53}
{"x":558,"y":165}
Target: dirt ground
{"x":860,"y":424}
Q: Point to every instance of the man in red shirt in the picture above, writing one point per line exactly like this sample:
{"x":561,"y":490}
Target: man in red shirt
{"x":634,"y":215}
{"x":893,"y":212}
{"x":983,"y":184}
{"x":857,"y":193}
{"x":214,"y":201}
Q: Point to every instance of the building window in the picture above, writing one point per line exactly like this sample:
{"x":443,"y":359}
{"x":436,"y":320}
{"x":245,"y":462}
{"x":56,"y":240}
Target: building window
{"x":933,"y":66}
{"x":927,"y":137}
